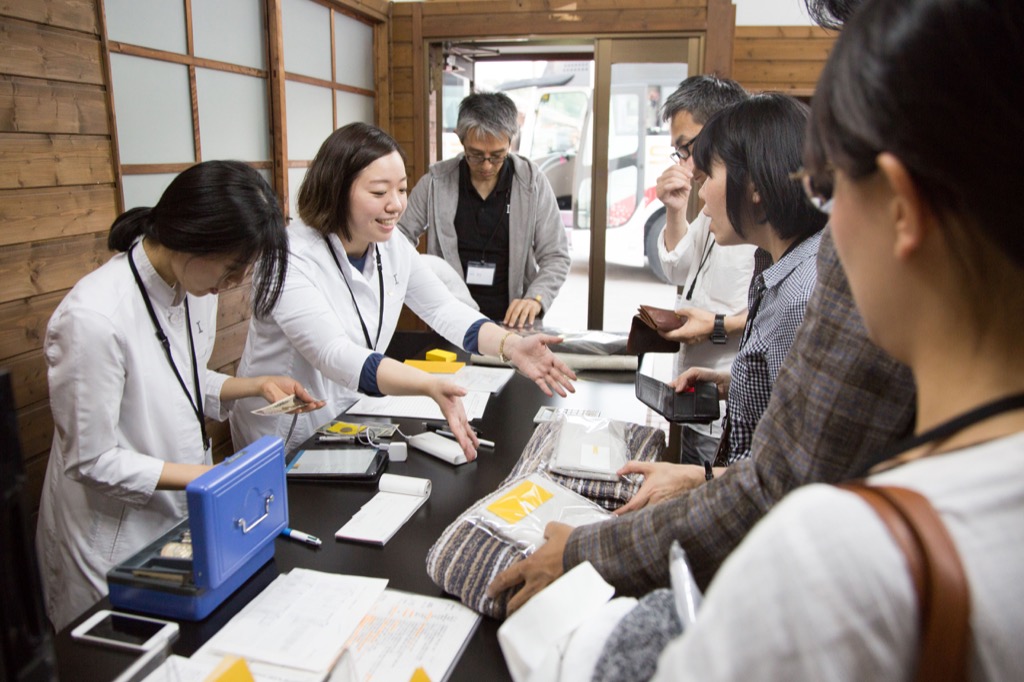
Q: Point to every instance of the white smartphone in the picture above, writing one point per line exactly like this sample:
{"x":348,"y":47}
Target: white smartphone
{"x":126,"y":631}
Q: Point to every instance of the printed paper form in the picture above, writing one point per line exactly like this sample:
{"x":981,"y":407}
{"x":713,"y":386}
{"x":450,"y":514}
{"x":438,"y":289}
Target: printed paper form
{"x":417,"y":406}
{"x":300,"y":621}
{"x":405,"y":631}
{"x":487,"y":379}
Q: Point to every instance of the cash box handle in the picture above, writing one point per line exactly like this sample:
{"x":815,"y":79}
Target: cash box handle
{"x":266,"y":512}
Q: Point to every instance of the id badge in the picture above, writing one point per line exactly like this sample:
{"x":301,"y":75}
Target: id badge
{"x":480,"y":272}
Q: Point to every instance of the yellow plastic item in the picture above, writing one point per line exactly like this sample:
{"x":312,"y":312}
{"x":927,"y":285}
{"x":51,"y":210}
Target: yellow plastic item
{"x":419,"y":675}
{"x":441,"y":355}
{"x":231,"y":669}
{"x":519,"y":502}
{"x":345,"y":428}
{"x":436,"y":366}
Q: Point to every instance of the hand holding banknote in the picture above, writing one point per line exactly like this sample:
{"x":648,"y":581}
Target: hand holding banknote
{"x":286,"y":396}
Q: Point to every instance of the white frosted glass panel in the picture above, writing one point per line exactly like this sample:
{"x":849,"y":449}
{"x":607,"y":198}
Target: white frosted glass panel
{"x":307,"y":38}
{"x":230,"y":31}
{"x":354,"y":59}
{"x":295,"y":176}
{"x":150,"y":23}
{"x":352,"y":108}
{"x":233,"y":119}
{"x":154,"y":110}
{"x":771,"y":13}
{"x":144,"y":190}
{"x":310,"y":119}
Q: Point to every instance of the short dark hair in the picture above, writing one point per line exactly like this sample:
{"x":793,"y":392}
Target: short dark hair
{"x":324,"y":195}
{"x":488,"y":113}
{"x":831,"y":13}
{"x":759,"y":141}
{"x":703,"y":97}
{"x":215,"y":208}
{"x":936,"y":83}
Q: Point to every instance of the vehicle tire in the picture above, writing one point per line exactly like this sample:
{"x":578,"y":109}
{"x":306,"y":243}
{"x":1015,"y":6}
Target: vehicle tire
{"x":652,"y":230}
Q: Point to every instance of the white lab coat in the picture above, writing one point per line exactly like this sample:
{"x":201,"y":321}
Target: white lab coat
{"x":314,"y":335}
{"x":119,"y":414}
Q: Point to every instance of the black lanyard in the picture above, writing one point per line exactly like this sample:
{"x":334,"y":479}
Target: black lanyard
{"x":162,"y":338}
{"x":707,"y":254}
{"x":380,"y":280}
{"x":952,"y":426}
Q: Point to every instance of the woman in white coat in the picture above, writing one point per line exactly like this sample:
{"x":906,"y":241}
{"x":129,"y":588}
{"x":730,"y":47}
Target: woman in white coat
{"x":347,"y":281}
{"x":129,"y":388}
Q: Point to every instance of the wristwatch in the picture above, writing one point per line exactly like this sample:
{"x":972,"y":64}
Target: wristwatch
{"x":718,"y":334}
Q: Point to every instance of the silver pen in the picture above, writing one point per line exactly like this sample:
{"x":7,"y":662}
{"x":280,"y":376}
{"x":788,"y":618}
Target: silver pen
{"x":483,"y":441}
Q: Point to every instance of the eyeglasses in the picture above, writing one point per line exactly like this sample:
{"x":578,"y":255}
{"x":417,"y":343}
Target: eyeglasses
{"x":683,"y":151}
{"x":478,"y":159}
{"x":817,"y":186}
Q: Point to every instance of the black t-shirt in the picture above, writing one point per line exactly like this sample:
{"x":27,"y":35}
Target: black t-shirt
{"x":482,"y":228}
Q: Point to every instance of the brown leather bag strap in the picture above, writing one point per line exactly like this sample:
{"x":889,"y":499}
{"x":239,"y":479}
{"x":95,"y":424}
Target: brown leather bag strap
{"x":943,"y":594}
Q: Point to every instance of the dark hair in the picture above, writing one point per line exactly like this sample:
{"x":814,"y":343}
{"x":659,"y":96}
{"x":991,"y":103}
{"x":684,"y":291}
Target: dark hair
{"x":324,"y":194}
{"x":936,"y":83}
{"x":214,"y":208}
{"x":702,"y":97}
{"x":759,"y":140}
{"x":831,"y":13}
{"x":488,"y":113}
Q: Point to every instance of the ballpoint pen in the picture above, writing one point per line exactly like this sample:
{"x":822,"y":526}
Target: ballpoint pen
{"x":483,"y":441}
{"x":301,"y":537}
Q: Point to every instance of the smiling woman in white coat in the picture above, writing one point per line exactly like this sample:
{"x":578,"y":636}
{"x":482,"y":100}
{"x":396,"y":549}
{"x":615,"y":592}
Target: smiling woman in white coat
{"x":129,"y":388}
{"x":346,"y":284}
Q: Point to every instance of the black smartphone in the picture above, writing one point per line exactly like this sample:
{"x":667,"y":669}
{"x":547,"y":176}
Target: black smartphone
{"x":337,"y":464}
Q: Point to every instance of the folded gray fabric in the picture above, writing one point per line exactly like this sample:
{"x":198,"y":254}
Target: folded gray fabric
{"x":631,"y":652}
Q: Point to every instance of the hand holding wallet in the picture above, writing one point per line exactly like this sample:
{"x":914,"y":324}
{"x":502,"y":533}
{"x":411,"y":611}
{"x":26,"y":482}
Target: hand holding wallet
{"x":660,"y":319}
{"x":644,"y":334}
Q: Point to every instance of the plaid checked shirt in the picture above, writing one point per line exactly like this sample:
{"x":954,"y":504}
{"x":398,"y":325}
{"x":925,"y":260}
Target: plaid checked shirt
{"x":837,"y":402}
{"x":783,"y":289}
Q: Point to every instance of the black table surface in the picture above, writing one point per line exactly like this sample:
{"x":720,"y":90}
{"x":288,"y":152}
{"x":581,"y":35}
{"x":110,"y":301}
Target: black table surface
{"x":320,"y":509}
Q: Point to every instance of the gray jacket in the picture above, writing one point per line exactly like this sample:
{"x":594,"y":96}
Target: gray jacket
{"x":538,"y":250}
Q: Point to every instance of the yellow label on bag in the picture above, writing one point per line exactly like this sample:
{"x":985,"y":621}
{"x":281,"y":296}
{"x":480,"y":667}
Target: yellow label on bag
{"x":519,"y":502}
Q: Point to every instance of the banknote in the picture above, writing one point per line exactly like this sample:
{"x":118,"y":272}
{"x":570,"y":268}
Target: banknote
{"x":281,"y":406}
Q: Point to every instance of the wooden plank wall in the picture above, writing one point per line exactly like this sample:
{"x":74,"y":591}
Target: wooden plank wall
{"x":57,"y":191}
{"x":783,"y":58}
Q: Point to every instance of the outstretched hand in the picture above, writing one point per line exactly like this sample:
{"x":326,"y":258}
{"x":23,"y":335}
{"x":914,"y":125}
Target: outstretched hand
{"x":536,"y":571}
{"x":448,"y":396}
{"x":533,"y":358}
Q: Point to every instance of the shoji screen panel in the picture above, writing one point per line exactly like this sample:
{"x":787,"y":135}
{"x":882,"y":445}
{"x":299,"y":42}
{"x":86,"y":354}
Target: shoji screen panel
{"x":329,"y":72}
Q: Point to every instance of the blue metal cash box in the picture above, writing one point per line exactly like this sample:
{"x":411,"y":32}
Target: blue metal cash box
{"x":235,"y":511}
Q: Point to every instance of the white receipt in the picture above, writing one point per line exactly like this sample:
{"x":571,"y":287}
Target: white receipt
{"x":388,"y":510}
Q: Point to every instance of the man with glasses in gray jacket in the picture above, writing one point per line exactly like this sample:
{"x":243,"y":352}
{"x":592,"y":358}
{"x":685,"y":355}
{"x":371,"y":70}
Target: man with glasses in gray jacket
{"x":492,"y":216}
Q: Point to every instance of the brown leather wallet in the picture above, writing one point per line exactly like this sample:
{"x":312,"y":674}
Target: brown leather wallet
{"x":643,"y":333}
{"x":660,"y":319}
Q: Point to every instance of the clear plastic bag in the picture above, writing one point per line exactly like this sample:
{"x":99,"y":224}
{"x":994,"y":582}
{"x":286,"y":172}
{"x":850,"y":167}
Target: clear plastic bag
{"x":589,"y":447}
{"x":519,"y":511}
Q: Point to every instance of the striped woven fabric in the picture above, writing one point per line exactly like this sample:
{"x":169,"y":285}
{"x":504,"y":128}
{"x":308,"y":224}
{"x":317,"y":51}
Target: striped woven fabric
{"x":467,"y":557}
